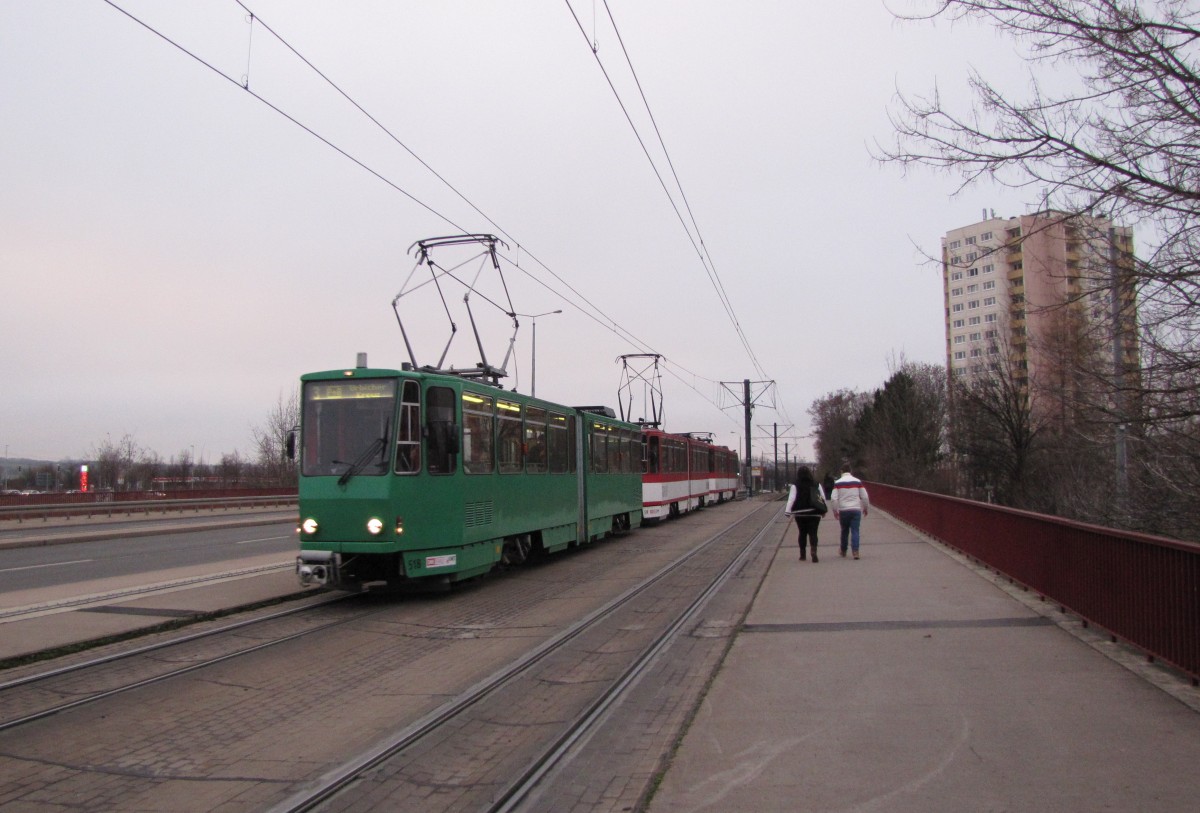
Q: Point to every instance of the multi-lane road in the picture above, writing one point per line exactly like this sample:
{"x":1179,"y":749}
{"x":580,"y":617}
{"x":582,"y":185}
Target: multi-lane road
{"x":220,"y":547}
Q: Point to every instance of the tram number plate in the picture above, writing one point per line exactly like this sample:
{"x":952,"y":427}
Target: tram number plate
{"x":441,"y":561}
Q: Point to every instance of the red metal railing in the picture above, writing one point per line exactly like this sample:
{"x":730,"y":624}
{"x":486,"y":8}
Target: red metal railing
{"x":1140,"y":588}
{"x":150,"y":502}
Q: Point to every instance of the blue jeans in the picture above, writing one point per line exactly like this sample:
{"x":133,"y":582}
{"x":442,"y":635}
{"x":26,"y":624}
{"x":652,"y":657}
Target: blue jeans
{"x":850,"y":522}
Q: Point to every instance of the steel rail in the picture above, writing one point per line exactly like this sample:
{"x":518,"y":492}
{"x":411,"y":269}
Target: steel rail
{"x":519,"y":790}
{"x":334,"y":781}
{"x":58,"y":709}
{"x":46,"y":608}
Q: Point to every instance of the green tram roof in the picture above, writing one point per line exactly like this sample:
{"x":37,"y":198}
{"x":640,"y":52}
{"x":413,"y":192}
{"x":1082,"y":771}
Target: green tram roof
{"x":448,"y":377}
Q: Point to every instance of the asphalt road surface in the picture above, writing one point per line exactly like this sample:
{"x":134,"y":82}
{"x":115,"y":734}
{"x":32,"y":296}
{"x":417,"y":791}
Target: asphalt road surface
{"x":25,"y":568}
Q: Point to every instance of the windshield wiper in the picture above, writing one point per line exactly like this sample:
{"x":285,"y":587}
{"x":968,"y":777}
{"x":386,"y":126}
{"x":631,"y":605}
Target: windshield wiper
{"x":375,"y":448}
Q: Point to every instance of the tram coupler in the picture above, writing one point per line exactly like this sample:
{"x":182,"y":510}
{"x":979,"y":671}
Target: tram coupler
{"x":317,"y":568}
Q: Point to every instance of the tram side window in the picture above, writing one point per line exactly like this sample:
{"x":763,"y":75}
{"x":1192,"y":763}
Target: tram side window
{"x":572,"y":449}
{"x":599,"y":448}
{"x":408,"y":434}
{"x":508,"y":436}
{"x":636,"y":452}
{"x":440,"y":431}
{"x":535,"y":440}
{"x":559,"y":441}
{"x":650,"y":464}
{"x":478,"y":457}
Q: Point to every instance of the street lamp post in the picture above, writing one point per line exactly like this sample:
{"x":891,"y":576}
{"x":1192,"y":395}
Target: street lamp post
{"x":533,"y":349}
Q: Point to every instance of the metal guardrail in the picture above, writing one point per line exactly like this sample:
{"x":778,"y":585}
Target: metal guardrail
{"x":46,"y":512}
{"x":1142,"y":589}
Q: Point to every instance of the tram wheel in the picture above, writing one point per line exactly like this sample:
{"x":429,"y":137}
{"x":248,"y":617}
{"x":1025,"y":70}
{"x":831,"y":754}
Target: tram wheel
{"x":516,"y":549}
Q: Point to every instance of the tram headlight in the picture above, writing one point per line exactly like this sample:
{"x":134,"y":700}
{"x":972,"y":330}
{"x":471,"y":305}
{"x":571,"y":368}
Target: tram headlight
{"x":375,"y":526}
{"x":309,"y":526}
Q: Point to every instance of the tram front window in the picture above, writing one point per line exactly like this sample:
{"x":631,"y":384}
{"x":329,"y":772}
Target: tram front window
{"x":347,"y":427}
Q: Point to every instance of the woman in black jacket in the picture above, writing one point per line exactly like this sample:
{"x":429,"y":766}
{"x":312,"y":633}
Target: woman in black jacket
{"x":807,"y":505}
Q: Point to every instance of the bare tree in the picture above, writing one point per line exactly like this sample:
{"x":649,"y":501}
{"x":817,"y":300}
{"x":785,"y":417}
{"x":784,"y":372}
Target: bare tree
{"x":1165,"y":478}
{"x":231,"y":470}
{"x":1109,"y":127}
{"x":146,"y":469}
{"x":995,"y":433}
{"x":835,"y":417}
{"x":182,"y":469}
{"x":114,"y":462}
{"x":270,"y":439}
{"x":1123,"y":143}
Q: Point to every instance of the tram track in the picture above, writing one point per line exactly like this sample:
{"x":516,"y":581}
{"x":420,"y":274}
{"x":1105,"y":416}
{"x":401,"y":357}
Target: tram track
{"x":512,"y":798}
{"x":266,"y":724}
{"x":38,"y":686}
{"x":109,"y":596}
{"x":327,"y":793}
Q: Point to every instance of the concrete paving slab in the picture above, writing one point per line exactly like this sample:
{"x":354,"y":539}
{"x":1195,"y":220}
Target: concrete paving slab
{"x":104,"y":618}
{"x":907,"y":682}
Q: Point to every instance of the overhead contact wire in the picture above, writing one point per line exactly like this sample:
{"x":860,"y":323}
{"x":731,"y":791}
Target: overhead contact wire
{"x":701,"y":254}
{"x":602,"y":319}
{"x":287,"y":116}
{"x":710,"y":267}
{"x":612,"y":324}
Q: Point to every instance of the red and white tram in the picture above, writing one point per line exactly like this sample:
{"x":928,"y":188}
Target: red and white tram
{"x":684,"y":472}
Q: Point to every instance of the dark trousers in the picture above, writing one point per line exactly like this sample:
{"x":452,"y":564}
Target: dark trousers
{"x":808,"y":526}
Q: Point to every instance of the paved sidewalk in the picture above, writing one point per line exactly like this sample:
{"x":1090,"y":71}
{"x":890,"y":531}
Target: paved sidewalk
{"x":106,"y":617}
{"x":908,"y":681}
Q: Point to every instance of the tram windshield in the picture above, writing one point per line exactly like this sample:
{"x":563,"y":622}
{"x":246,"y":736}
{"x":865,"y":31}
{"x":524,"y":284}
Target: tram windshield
{"x":347,"y":427}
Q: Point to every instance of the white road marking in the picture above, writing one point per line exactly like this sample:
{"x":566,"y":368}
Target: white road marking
{"x":264,"y":539}
{"x":52,"y":564}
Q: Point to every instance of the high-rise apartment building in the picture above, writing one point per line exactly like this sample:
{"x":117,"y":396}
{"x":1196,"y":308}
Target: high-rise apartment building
{"x":1035,"y":289}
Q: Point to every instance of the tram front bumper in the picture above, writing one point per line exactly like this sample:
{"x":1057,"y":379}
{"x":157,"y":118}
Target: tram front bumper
{"x":317,"y":568}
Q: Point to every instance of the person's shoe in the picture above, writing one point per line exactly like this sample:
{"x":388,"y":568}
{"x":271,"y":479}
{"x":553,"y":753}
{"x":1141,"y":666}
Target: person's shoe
{"x":842,"y":553}
{"x":855,"y":554}
{"x":803,"y":556}
{"x":814,"y":557}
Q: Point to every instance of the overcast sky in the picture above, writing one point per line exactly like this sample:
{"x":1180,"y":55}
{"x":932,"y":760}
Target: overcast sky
{"x":175,"y":253}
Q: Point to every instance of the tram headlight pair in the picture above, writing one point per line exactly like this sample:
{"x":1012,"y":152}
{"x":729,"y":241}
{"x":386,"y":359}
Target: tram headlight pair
{"x":374,"y":526}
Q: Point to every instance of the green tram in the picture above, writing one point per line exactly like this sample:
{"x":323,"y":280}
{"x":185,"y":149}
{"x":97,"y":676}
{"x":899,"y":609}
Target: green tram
{"x":413,"y":475}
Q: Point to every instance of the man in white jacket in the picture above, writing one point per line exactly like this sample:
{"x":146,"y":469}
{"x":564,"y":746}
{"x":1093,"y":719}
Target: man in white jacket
{"x":850,"y":504}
